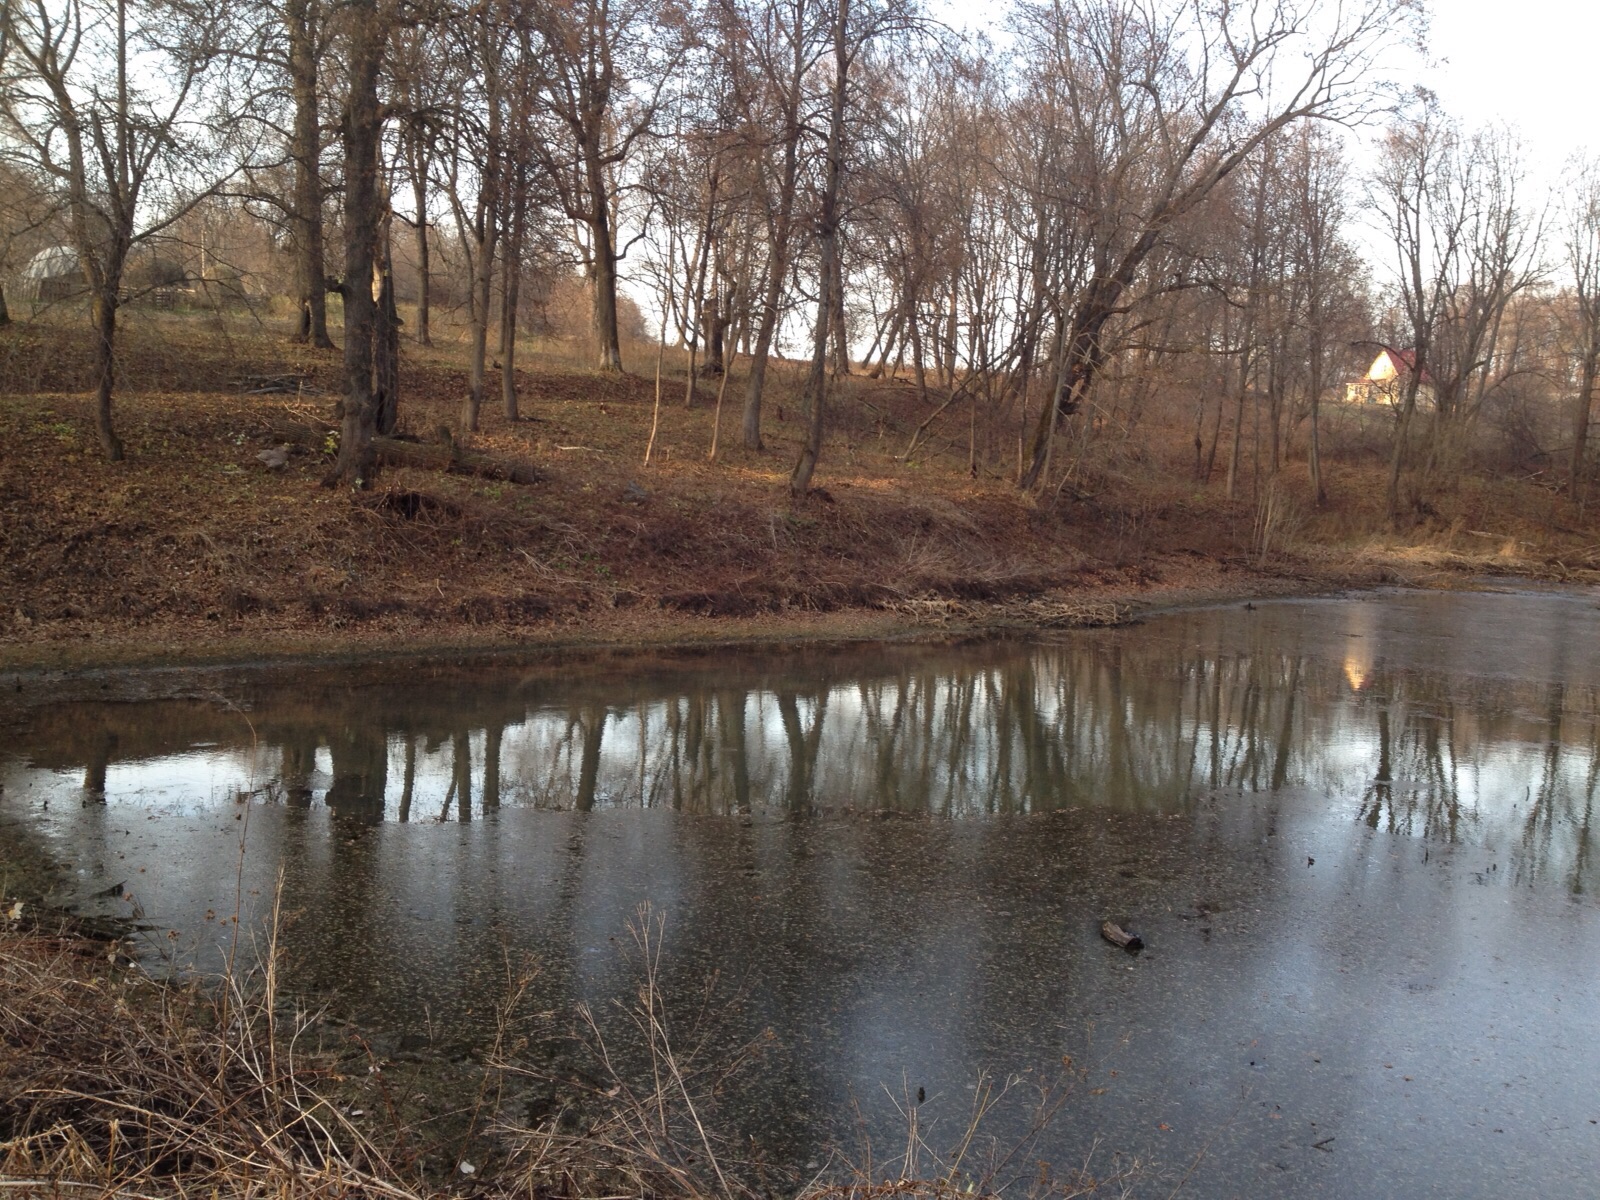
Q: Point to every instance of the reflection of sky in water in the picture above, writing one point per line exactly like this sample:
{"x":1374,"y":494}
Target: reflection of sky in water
{"x":1363,"y":865}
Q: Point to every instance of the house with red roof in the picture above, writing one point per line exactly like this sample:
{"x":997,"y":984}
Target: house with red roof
{"x":1385,"y":381}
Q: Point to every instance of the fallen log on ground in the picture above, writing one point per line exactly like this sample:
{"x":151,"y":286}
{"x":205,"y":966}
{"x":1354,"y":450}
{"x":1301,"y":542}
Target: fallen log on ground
{"x":443,"y":455}
{"x":1042,"y":612}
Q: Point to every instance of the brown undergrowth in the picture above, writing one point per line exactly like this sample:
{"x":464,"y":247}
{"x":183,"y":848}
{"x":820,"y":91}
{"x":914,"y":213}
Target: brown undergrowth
{"x":194,"y":541}
{"x":115,"y":1085}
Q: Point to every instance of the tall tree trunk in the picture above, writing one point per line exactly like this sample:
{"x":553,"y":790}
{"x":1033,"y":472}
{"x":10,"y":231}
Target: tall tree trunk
{"x":841,"y":335}
{"x":607,"y":334}
{"x":302,"y":18}
{"x":828,"y":252}
{"x":486,"y":229}
{"x":766,"y":329}
{"x":1081,"y":359}
{"x":419,"y":195}
{"x":1580,"y":424}
{"x":1402,"y":435}
{"x":482,"y":291}
{"x":511,"y":295}
{"x":511,"y":299}
{"x":714,"y":322}
{"x":386,"y":333}
{"x":919,"y":369}
{"x":694,"y":299}
{"x":779,"y":233}
{"x":1319,"y":494}
{"x":363,"y":126}
{"x":1234,"y":456}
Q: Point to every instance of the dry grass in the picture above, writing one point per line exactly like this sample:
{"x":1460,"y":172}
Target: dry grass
{"x":117,"y":1086}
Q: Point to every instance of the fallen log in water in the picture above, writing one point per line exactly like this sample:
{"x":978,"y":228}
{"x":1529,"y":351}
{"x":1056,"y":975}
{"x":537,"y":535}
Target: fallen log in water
{"x":443,"y":455}
{"x":1117,"y":936}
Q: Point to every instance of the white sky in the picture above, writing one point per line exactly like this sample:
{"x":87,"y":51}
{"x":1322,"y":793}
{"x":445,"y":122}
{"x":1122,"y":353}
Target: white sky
{"x":1531,"y":64}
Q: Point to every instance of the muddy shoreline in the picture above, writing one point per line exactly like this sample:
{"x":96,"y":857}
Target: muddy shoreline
{"x":133,"y":661}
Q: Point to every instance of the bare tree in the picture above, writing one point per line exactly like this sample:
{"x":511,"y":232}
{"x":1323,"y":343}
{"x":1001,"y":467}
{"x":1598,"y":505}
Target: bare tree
{"x":1464,"y":248}
{"x":1324,"y":262}
{"x":303,"y":24}
{"x":111,"y":106}
{"x":605,"y":64}
{"x":1163,"y":103}
{"x":485,"y":43}
{"x":1581,"y":237}
{"x":773,"y":49}
{"x":827,"y":226}
{"x":421,"y":86}
{"x":364,"y":35}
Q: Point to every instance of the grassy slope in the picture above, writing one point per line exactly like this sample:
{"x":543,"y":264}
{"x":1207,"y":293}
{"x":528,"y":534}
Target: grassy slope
{"x":192,"y":548}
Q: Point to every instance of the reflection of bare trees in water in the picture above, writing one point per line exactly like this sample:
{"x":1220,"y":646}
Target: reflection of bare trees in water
{"x":1415,"y":788}
{"x":1561,"y":802}
{"x":1008,"y":729}
{"x":360,"y":755}
{"x":101,"y":752}
{"x":1512,"y":767}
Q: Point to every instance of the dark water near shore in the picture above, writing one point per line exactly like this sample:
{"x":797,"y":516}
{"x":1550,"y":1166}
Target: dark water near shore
{"x":1358,"y":836}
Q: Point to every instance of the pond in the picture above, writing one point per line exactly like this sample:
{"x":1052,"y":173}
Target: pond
{"x":1357,"y":836}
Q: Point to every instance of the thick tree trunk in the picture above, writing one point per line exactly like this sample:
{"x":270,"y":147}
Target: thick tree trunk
{"x":695,"y":292}
{"x":714,"y":326}
{"x":841,"y":335}
{"x":301,"y":18}
{"x":5,"y":313}
{"x":1082,"y":359}
{"x":607,"y":336}
{"x":363,"y":123}
{"x":816,"y":397}
{"x":486,"y":229}
{"x":386,"y":336}
{"x":103,"y":311}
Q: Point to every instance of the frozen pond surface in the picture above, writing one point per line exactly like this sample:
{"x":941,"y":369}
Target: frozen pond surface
{"x":1358,"y":836}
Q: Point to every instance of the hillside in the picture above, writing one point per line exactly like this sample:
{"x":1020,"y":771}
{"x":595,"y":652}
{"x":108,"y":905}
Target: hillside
{"x":194,"y":548}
